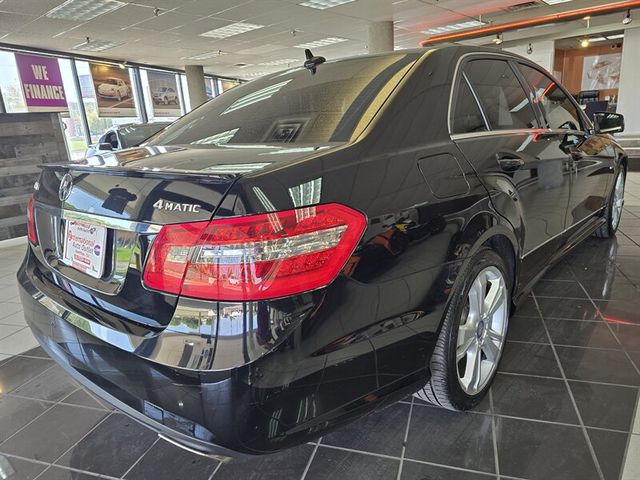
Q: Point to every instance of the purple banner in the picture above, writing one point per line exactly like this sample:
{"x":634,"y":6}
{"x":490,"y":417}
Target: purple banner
{"x":41,"y":83}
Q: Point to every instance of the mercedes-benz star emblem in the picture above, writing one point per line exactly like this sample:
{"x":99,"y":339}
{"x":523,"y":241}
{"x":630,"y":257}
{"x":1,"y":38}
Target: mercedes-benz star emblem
{"x":65,"y":187}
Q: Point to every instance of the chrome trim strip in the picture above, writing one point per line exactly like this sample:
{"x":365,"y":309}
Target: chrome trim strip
{"x":495,"y":133}
{"x":172,"y":347}
{"x":109,"y":222}
{"x":475,"y":97}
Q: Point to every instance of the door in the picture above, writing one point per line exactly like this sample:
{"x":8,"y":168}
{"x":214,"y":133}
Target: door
{"x":591,"y":157}
{"x":504,"y":142}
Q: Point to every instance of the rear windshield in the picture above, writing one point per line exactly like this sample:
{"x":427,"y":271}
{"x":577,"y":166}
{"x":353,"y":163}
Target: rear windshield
{"x":133,"y":135}
{"x":294,"y":106}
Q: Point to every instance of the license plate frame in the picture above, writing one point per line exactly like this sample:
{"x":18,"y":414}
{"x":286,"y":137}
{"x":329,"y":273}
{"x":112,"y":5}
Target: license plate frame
{"x":84,"y":247}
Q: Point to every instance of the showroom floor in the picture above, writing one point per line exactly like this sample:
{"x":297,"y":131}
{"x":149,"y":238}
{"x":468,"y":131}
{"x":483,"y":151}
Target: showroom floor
{"x":564,"y":406}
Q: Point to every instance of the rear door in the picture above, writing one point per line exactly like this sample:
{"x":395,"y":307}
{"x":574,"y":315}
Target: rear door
{"x":591,"y":157}
{"x":510,"y":151}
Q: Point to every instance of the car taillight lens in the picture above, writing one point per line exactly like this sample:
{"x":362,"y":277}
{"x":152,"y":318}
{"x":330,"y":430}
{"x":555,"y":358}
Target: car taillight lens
{"x":255,"y":257}
{"x":31,"y":222}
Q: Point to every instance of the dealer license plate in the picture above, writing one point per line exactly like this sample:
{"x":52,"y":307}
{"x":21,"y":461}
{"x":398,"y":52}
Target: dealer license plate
{"x":84,"y":247}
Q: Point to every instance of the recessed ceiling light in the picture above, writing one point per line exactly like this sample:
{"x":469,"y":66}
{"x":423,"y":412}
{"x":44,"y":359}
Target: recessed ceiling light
{"x":454,"y":26}
{"x":83,"y":10}
{"x":616,"y":36}
{"x":324,"y":4}
{"x":282,"y":61}
{"x":96,"y":45}
{"x":231,"y":30}
{"x":322,"y":42}
{"x":598,"y":39}
{"x":584,"y":43}
{"x":555,"y":2}
{"x":205,"y":56}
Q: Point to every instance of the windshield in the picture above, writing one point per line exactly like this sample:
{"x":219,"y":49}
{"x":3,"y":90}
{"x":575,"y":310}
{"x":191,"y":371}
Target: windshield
{"x":133,"y":135}
{"x":294,"y":106}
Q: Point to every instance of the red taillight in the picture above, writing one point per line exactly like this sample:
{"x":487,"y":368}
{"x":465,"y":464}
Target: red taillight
{"x":31,"y":222}
{"x":255,"y":257}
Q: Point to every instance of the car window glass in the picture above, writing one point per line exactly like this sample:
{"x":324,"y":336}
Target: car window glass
{"x":557,"y":107}
{"x":295,"y":106}
{"x":501,"y":95}
{"x":467,"y":116}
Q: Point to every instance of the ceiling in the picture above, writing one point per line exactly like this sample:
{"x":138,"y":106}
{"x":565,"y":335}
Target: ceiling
{"x":169,"y":32}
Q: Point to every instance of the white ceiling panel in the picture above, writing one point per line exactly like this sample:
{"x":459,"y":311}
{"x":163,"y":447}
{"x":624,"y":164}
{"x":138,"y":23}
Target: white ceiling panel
{"x":173,"y":34}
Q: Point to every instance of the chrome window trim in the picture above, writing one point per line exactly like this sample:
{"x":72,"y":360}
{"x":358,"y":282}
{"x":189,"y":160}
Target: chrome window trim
{"x":521,"y":131}
{"x":455,"y":79}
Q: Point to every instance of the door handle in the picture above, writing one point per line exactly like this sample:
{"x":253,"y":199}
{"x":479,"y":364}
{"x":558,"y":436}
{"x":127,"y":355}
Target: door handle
{"x":509,"y":162}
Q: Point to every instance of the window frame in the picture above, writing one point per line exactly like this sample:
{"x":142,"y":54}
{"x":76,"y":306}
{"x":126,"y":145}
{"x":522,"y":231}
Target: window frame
{"x":585,"y":123}
{"x":459,"y":75}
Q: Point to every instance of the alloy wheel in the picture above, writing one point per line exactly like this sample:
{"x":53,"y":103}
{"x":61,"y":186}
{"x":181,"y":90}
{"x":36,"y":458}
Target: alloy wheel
{"x":482,"y":331}
{"x":618,"y":201}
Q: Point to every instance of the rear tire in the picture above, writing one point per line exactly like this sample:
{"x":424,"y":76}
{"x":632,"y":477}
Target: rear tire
{"x":473,"y":334}
{"x":613,"y":212}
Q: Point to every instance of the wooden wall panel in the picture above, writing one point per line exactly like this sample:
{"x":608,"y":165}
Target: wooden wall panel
{"x":26,"y":141}
{"x":571,"y":62}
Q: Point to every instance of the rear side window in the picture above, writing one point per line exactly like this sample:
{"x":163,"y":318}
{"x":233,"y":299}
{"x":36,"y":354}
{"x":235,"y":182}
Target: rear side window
{"x":503,"y":100}
{"x":559,"y":110}
{"x":467,"y":117}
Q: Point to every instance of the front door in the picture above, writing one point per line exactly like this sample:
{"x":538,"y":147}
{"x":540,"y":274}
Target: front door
{"x":590,"y":157}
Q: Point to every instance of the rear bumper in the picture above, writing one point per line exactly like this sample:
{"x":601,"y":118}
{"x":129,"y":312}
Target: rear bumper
{"x":166,"y":400}
{"x":285,"y":397}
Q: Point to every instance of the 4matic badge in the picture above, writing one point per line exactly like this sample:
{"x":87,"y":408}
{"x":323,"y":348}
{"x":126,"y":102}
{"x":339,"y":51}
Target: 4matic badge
{"x":177,"y":207}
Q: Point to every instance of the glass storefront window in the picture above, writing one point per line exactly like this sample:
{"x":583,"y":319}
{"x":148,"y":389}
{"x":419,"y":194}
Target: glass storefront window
{"x":147,"y":91}
{"x":97,"y":125}
{"x":74,"y":127}
{"x":10,"y":84}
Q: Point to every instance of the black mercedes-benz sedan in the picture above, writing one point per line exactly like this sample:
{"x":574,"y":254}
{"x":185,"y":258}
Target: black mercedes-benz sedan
{"x":317,"y":244}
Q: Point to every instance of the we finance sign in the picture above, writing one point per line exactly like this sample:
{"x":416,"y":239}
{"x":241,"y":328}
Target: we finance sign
{"x":41,"y":83}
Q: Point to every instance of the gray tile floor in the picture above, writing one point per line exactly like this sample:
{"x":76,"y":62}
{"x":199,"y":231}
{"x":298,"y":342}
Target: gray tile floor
{"x":564,"y":405}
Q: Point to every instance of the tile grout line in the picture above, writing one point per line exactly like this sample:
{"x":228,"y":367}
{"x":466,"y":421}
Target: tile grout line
{"x":612,"y":332}
{"x":502,"y":372}
{"x":308,"y":465}
{"x":406,"y":438}
{"x":629,"y":436}
{"x":494,"y":434}
{"x":424,"y":462}
{"x":91,"y":430}
{"x":573,"y":400}
{"x":49,"y":465}
{"x":140,"y":458}
{"x":536,"y":420}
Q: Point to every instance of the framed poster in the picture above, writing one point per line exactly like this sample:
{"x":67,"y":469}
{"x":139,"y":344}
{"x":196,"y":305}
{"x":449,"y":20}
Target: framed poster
{"x":41,"y":83}
{"x":164,"y":94}
{"x":114,"y":92}
{"x":601,"y":72}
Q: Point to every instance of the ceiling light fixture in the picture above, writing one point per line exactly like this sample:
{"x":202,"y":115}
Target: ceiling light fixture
{"x":556,"y":2}
{"x":584,"y":43}
{"x":454,"y":27}
{"x":231,"y":30}
{"x":627,"y":18}
{"x":323,"y":42}
{"x":616,"y":36}
{"x":83,"y":10}
{"x":324,"y":4}
{"x":598,"y":39}
{"x":276,"y":63}
{"x":498,"y":40}
{"x":96,"y":45}
{"x":529,"y":49}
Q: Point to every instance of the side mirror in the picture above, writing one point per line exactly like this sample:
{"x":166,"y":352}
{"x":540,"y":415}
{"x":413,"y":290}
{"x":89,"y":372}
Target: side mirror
{"x":105,"y":146}
{"x":605,"y":122}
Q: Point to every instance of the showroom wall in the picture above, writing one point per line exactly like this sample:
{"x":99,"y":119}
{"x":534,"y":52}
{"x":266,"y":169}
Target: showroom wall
{"x":542,"y":53}
{"x":629,"y":93}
